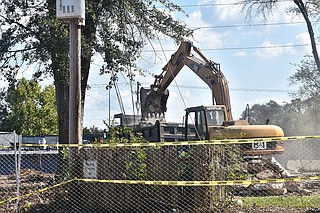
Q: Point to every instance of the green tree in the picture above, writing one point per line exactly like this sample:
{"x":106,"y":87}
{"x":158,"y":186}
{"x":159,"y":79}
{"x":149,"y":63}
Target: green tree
{"x":308,"y":9}
{"x":4,"y":123}
{"x":92,"y":129}
{"x":48,"y":112}
{"x":116,"y":30}
{"x":260,"y":113}
{"x":307,"y":77}
{"x":296,"y":118}
{"x":30,"y":110}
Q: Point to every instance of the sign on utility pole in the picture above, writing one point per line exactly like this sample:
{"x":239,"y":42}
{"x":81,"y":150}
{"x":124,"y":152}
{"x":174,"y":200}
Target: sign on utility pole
{"x":74,"y":12}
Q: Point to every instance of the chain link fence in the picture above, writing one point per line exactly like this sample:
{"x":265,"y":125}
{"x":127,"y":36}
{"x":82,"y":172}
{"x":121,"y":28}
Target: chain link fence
{"x":160,"y":177}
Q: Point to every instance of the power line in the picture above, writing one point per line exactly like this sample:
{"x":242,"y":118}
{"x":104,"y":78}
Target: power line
{"x":250,"y":25}
{"x":238,"y":48}
{"x":234,"y":89}
{"x":100,"y":101}
{"x":217,"y":4}
{"x":263,"y":90}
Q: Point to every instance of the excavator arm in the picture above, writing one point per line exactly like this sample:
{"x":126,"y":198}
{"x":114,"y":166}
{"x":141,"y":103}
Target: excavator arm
{"x":211,"y":74}
{"x":154,"y":100}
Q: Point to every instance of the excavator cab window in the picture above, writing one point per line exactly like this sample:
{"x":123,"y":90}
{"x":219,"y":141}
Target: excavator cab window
{"x":200,"y":124}
{"x":215,"y":117}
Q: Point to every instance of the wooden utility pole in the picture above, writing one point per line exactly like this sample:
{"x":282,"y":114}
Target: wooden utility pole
{"x":75,"y":83}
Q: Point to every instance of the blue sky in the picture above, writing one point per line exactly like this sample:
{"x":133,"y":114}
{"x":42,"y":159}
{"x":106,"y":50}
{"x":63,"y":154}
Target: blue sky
{"x":257,"y":58}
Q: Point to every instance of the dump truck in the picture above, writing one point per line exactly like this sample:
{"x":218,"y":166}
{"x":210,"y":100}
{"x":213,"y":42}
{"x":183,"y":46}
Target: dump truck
{"x":200,"y":122}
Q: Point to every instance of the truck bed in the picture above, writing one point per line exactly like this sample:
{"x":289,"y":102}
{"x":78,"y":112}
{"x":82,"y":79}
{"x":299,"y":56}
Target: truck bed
{"x":166,"y":132}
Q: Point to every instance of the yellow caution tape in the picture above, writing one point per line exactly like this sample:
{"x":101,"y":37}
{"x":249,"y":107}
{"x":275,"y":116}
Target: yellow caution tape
{"x":202,"y":183}
{"x":180,"y":143}
{"x":35,"y":192}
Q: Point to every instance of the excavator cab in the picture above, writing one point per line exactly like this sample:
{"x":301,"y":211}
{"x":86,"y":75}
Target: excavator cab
{"x":210,"y":122}
{"x":203,"y":118}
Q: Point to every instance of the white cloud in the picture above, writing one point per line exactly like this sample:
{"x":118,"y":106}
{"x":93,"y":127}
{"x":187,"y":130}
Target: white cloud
{"x":290,"y":17}
{"x":271,"y":50}
{"x":205,"y":36}
{"x":240,"y":54}
{"x":227,"y":10}
{"x":27,"y":71}
{"x":94,"y":98}
{"x":189,"y":98}
{"x":303,"y":38}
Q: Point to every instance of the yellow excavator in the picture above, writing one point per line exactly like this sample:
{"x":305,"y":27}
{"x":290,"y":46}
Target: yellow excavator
{"x":209,"y":122}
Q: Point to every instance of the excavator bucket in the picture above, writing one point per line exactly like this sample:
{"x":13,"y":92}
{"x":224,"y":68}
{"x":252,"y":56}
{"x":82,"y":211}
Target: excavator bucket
{"x":153,"y":104}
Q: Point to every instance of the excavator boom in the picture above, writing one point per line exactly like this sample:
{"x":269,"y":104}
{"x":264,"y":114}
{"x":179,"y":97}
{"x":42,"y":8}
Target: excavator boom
{"x":154,"y":99}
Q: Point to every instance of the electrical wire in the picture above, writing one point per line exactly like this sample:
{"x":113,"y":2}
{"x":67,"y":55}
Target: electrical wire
{"x":236,"y":48}
{"x":250,"y":25}
{"x":99,"y":101}
{"x":219,"y":4}
{"x":234,"y":89}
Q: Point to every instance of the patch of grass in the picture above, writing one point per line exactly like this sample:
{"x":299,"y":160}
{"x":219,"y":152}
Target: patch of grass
{"x":283,"y":201}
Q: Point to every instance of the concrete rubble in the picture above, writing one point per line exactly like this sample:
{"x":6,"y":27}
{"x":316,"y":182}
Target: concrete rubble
{"x":263,"y":169}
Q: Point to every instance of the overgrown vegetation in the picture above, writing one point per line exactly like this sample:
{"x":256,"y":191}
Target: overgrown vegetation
{"x":135,"y":164}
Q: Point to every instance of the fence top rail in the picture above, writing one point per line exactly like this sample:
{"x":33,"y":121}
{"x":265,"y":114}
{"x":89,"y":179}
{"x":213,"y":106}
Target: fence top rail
{"x":178,"y":143}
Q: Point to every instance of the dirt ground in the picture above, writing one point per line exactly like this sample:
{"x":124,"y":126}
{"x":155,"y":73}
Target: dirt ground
{"x":31,"y":180}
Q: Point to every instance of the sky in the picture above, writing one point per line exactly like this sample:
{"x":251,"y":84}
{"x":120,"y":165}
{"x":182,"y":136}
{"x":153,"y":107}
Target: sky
{"x":257,"y":57}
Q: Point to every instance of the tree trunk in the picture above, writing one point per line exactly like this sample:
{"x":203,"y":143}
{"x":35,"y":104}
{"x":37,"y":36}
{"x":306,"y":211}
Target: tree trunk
{"x":62,"y":97}
{"x":85,"y":67}
{"x":304,"y":12}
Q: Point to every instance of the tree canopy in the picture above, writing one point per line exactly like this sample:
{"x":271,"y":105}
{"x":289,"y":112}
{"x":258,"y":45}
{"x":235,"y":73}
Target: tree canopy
{"x":30,"y":110}
{"x":3,"y":112}
{"x":307,"y":77}
{"x":296,"y":118}
{"x":116,"y":30}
